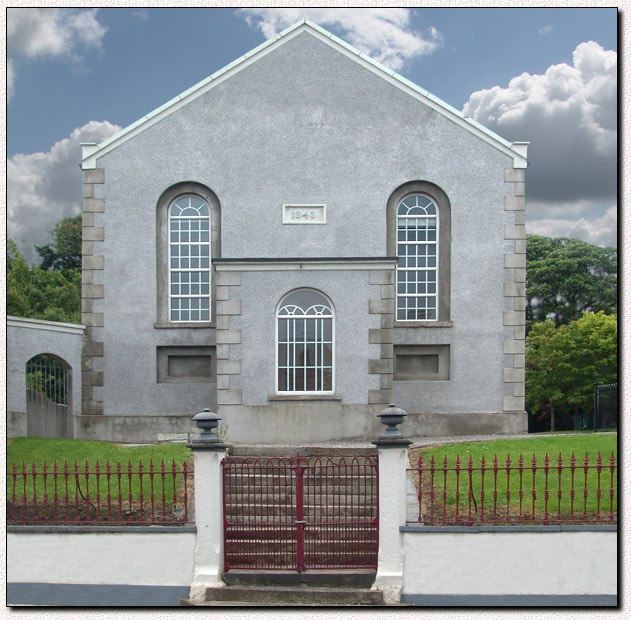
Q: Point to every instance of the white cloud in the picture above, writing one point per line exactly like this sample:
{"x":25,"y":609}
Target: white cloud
{"x":44,"y":187}
{"x":52,"y":32}
{"x":544,"y":30}
{"x":58,"y":33}
{"x":569,"y":116}
{"x":382,"y":33}
{"x":601,"y":231}
{"x":10,"y":79}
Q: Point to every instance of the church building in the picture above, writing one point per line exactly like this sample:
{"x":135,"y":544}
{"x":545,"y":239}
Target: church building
{"x":294,"y":243}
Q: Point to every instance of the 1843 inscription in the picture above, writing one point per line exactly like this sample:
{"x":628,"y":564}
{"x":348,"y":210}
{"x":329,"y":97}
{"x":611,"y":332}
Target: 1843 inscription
{"x":304,"y":214}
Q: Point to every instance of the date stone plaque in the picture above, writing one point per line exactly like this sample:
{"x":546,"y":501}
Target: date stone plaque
{"x":304,"y":214}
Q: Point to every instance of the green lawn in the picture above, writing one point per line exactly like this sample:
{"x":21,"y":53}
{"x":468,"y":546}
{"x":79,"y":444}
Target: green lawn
{"x":507,"y":484}
{"x":35,"y":450}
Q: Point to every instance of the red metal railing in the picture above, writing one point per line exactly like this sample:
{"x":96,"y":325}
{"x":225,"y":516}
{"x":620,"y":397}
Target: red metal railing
{"x":574,"y":491}
{"x":99,"y":495}
{"x":300,"y":513}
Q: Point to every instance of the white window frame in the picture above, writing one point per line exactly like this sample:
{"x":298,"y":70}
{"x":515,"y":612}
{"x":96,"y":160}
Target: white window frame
{"x":435,"y":243}
{"x":277,"y":317}
{"x":171,"y":270}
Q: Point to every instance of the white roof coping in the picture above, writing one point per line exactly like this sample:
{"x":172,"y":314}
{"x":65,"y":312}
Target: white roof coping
{"x":516,"y":150}
{"x":52,"y":326}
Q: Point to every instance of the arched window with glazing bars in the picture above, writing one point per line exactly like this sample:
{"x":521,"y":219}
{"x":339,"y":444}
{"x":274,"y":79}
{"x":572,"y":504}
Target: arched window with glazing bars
{"x":189,"y":260}
{"x":305,"y":343}
{"x":417,"y":252}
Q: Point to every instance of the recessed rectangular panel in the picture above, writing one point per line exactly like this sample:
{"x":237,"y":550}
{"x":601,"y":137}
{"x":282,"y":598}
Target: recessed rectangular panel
{"x":421,"y":362}
{"x":187,"y":364}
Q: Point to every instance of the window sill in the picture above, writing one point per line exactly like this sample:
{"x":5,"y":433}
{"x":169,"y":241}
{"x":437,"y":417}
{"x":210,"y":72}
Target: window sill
{"x":299,"y":397}
{"x":423,"y":324}
{"x":182,"y":325}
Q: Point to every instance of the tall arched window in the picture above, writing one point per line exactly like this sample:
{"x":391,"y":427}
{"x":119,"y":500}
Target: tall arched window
{"x":417,"y":251}
{"x":419,"y":235}
{"x":189,"y":260}
{"x":305,"y":343}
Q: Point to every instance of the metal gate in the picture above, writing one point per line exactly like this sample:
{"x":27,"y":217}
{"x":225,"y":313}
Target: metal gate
{"x":300,"y":513}
{"x":48,"y":397}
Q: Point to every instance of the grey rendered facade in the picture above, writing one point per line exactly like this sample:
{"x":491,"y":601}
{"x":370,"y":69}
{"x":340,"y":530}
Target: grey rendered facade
{"x":303,"y":120}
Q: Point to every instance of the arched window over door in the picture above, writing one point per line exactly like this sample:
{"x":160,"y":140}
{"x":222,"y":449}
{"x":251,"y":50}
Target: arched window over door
{"x":48,"y":397}
{"x":305,"y":343}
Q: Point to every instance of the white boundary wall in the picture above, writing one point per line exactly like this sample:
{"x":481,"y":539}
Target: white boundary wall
{"x":126,"y":557}
{"x":451,"y":562}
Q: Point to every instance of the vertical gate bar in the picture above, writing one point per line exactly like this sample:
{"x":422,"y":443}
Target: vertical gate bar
{"x":546,"y":492}
{"x":457,"y":488}
{"x":45,"y":497}
{"x":299,"y":516}
{"x":508,"y":471}
{"x":612,"y":467}
{"x":585,"y":492}
{"x":495,"y":470}
{"x":420,"y":488}
{"x":470,"y":490}
{"x":559,"y":492}
{"x":87,"y":492}
{"x":75,"y":475}
{"x":97,"y":473}
{"x":521,"y":487}
{"x":482,"y":494}
{"x":445,"y":464}
{"x":599,"y":462}
{"x":56,"y":496}
{"x":572,"y":492}
{"x":534,"y":489}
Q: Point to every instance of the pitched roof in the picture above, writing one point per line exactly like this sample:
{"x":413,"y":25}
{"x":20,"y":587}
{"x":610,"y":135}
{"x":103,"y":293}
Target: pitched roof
{"x":516,"y":150}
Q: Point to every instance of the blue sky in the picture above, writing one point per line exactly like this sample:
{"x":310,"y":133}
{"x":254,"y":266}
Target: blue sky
{"x":80,"y":74}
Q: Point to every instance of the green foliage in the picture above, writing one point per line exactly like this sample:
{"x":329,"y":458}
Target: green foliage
{"x":566,"y":277}
{"x":563,"y":362}
{"x":36,"y":293}
{"x":64,"y":251}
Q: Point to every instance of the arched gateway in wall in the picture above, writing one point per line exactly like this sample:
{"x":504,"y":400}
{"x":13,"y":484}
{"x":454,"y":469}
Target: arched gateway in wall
{"x":48,"y":397}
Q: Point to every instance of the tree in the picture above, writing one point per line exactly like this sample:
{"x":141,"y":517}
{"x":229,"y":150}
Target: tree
{"x":566,"y":277}
{"x":64,"y":251}
{"x":35,"y":293}
{"x":563,"y":362}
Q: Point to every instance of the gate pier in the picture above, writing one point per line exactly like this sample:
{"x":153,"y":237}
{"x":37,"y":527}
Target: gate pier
{"x":208,"y":454}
